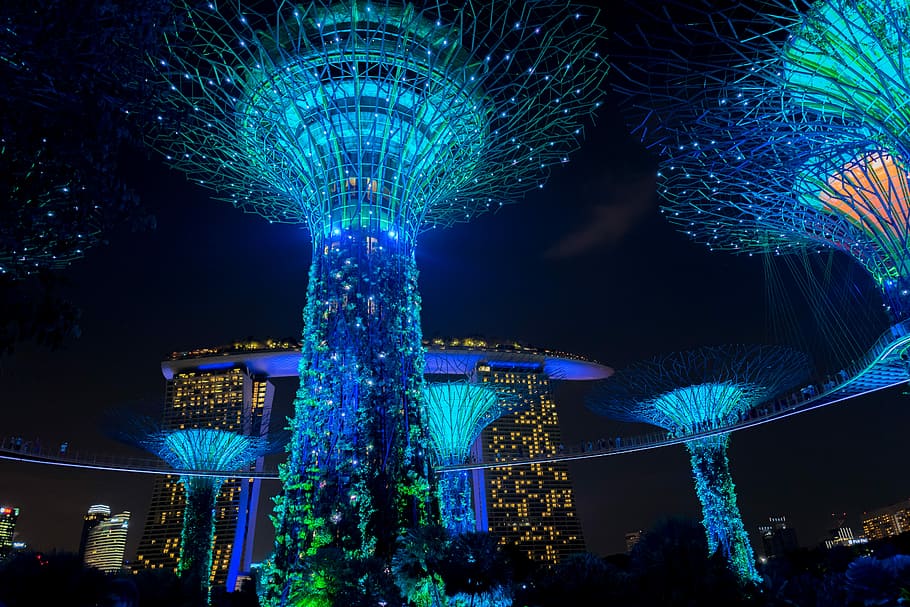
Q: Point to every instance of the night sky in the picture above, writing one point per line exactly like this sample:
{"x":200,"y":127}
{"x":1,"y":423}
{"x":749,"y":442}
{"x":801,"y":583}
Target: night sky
{"x":585,"y":265}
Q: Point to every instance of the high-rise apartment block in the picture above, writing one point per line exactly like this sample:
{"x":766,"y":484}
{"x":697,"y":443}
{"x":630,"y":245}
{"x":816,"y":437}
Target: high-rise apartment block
{"x":104,"y":538}
{"x":531,"y":506}
{"x":8,"y":518}
{"x":888,"y":521}
{"x":778,"y":537}
{"x":225,"y":388}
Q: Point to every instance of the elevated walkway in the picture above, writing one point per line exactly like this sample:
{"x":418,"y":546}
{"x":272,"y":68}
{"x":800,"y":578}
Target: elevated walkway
{"x":881,"y":368}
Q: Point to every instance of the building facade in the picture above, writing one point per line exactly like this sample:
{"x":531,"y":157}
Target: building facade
{"x":225,"y":388}
{"x":8,"y":517}
{"x":104,"y":539}
{"x":778,"y":537}
{"x":888,"y":521}
{"x":530,"y":506}
{"x":91,"y":519}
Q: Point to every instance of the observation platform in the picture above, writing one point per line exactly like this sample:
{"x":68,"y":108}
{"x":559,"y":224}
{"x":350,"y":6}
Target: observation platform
{"x":881,"y":368}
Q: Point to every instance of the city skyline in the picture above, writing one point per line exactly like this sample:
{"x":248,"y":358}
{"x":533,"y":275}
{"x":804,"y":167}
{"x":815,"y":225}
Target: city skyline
{"x":598,"y":272}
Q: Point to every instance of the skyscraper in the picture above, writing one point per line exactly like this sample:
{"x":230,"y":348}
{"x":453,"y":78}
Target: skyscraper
{"x":8,"y":518}
{"x":104,"y":538}
{"x":778,"y":537}
{"x":888,"y":521}
{"x":224,"y":388}
{"x":95,"y":515}
{"x":529,"y":506}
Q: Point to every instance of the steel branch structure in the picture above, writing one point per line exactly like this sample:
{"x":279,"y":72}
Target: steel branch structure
{"x":456,"y":414}
{"x":369,"y":122}
{"x":691,"y":392}
{"x":202,"y":449}
{"x":783,"y":131}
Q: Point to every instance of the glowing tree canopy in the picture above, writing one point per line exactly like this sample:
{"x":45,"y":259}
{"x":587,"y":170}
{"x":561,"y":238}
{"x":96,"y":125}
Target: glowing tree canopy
{"x":456,"y":413}
{"x":844,"y":59}
{"x":691,"y":392}
{"x":202,"y":450}
{"x":783,"y":131}
{"x":369,"y":122}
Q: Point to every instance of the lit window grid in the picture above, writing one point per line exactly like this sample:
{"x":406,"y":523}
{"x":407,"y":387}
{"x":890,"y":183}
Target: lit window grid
{"x":531,"y":506}
{"x":199,"y":399}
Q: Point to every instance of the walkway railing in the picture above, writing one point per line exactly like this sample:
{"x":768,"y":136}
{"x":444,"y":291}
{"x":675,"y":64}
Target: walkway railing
{"x":879,"y":369}
{"x":19,"y":448}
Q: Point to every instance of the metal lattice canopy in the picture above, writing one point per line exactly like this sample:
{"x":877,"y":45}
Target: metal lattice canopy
{"x":711,"y":385}
{"x":206,"y":448}
{"x":379,"y":116}
{"x":784,"y":131}
{"x":456,"y":414}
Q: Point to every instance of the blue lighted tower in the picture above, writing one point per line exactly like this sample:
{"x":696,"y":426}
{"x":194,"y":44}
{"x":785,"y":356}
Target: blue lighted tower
{"x":456,"y":414}
{"x":206,"y":451}
{"x":369,"y":122}
{"x":698,"y":392}
{"x":785,"y":131}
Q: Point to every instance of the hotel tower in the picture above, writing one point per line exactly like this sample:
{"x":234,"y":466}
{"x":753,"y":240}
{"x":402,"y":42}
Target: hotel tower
{"x":225,"y":388}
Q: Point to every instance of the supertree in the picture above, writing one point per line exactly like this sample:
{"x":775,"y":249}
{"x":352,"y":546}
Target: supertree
{"x":456,"y":413}
{"x":369,"y":122}
{"x":699,"y":391}
{"x":69,"y":106}
{"x":206,"y":451}
{"x":785,"y":131}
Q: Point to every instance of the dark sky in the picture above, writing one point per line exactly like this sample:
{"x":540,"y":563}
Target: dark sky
{"x":586,"y":265}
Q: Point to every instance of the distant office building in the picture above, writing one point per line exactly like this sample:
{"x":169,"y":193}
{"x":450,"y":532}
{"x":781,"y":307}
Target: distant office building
{"x":632,"y":539}
{"x":529,"y":506}
{"x":841,"y":534}
{"x":778,"y":537}
{"x":104,"y":538}
{"x":90,"y":520}
{"x":888,"y":521}
{"x":8,"y":518}
{"x":225,"y":388}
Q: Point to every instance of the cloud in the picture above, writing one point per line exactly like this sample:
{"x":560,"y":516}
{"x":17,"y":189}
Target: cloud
{"x":622,"y":207}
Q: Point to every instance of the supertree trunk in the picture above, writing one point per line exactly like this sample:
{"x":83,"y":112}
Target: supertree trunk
{"x":454,"y":496}
{"x":198,"y":530}
{"x":356,"y":475}
{"x":717,"y":494}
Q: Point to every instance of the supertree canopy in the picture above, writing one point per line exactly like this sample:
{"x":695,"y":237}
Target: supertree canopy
{"x":369,"y":122}
{"x":73,"y":88}
{"x":844,"y":59}
{"x":456,"y":413}
{"x":696,"y":392}
{"x":202,"y":450}
{"x":784,"y":131}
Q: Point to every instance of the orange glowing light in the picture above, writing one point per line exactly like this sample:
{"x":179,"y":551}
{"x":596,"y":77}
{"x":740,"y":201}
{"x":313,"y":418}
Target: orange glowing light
{"x":871,"y":191}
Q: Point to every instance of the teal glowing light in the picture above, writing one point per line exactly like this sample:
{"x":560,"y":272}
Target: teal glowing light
{"x":700,"y":391}
{"x":798,"y":138}
{"x":846,"y":61}
{"x":717,"y":493}
{"x":456,"y":413}
{"x":210,"y":450}
{"x":369,"y":122}
{"x":374,"y":115}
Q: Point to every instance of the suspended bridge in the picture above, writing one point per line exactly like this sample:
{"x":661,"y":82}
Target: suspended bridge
{"x":884,"y":366}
